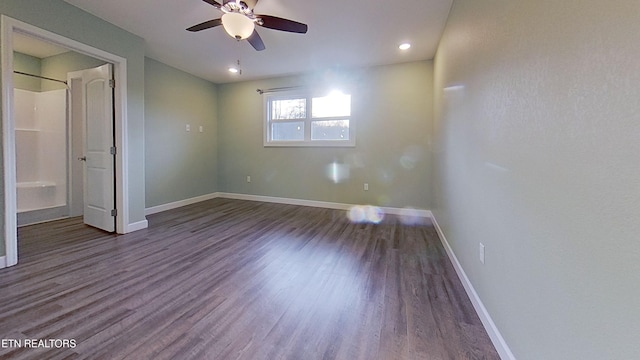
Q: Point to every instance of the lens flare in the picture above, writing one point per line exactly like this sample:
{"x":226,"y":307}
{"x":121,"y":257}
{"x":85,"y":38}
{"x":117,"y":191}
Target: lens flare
{"x":365,"y":214}
{"x":411,"y":156}
{"x":337,"y":172}
{"x":407,"y":162}
{"x":356,"y":214}
{"x":373,"y":214}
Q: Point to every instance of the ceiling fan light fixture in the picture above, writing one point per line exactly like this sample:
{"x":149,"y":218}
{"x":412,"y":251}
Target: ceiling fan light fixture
{"x":237,"y":25}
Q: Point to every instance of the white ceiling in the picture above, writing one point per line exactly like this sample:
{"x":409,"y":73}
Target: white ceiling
{"x":35,"y":47}
{"x":341,"y":34}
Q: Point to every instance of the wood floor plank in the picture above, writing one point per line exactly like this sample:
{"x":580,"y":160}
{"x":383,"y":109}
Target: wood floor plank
{"x":233,"y":279}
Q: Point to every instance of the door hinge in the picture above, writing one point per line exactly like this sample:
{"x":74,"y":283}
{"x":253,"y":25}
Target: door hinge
{"x":114,"y":212}
{"x":112,"y":83}
{"x":113,"y":150}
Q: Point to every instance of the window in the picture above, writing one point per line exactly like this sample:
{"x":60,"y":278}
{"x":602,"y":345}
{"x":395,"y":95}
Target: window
{"x":302,"y":119}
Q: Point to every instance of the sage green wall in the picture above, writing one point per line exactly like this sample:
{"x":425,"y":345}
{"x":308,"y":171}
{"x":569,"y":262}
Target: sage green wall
{"x":61,"y":18}
{"x":178,"y":164}
{"x":57,"y":67}
{"x":27,"y":64}
{"x":392,"y":108}
{"x":537,"y":147}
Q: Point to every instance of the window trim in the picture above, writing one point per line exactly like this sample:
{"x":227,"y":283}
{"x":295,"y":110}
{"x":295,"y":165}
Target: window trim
{"x":308,"y":120}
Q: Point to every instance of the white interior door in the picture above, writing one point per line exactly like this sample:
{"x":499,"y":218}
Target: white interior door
{"x":99,"y":150}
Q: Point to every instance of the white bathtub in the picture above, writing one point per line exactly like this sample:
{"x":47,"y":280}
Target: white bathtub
{"x":34,"y":195}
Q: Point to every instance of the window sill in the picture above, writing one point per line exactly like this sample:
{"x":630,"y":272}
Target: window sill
{"x":315,"y":144}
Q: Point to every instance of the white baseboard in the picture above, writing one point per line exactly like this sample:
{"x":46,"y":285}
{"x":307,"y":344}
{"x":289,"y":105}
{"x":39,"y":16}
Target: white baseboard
{"x":496,"y":338}
{"x":280,"y":200}
{"x":177,"y":204}
{"x":323,"y":204}
{"x":3,"y":262}
{"x":137,"y":226}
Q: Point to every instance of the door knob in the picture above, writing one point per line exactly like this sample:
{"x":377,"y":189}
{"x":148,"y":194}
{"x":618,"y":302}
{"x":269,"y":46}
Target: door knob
{"x":84,"y":158}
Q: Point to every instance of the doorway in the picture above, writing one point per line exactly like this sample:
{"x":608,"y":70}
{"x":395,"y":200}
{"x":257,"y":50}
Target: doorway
{"x":10,"y":29}
{"x":52,"y":133}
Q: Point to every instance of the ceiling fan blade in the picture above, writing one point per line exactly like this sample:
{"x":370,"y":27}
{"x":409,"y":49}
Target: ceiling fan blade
{"x":205,"y":25}
{"x":276,"y":23}
{"x":256,"y":41}
{"x":214,"y":3}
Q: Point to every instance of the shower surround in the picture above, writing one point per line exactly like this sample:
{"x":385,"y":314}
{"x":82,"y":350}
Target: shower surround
{"x":41,"y":149}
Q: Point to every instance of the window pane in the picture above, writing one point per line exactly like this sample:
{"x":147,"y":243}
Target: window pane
{"x":289,"y":131}
{"x":330,"y":130}
{"x":336,"y":104}
{"x":288,"y":109}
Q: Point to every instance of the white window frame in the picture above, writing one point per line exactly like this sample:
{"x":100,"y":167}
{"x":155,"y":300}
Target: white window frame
{"x":307,"y":142}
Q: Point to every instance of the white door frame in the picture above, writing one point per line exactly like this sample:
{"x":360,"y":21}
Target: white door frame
{"x":8,"y":27}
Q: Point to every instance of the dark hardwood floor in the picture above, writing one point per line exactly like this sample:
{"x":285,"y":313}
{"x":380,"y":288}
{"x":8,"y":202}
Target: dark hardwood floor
{"x":231,"y":279}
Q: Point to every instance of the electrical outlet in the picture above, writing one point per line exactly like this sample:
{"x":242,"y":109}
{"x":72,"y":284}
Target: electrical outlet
{"x":482,"y":253}
{"x":188,"y":127}
{"x":201,"y":128}
{"x":248,"y":178}
{"x":366,"y":186}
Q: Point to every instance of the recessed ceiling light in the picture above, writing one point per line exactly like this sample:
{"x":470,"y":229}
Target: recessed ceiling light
{"x":404,"y":46}
{"x":233,"y":70}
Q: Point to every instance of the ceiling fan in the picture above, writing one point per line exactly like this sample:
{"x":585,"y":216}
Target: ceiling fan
{"x":239,"y":21}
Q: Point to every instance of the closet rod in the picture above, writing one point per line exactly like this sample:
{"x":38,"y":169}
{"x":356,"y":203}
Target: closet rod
{"x":41,"y":77}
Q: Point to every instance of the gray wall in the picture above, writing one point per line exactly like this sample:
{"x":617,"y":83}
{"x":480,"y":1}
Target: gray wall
{"x":57,"y":67}
{"x":392,"y":108}
{"x":537,"y":144}
{"x":63,"y":19}
{"x":178,"y":164}
{"x":27,"y":64}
